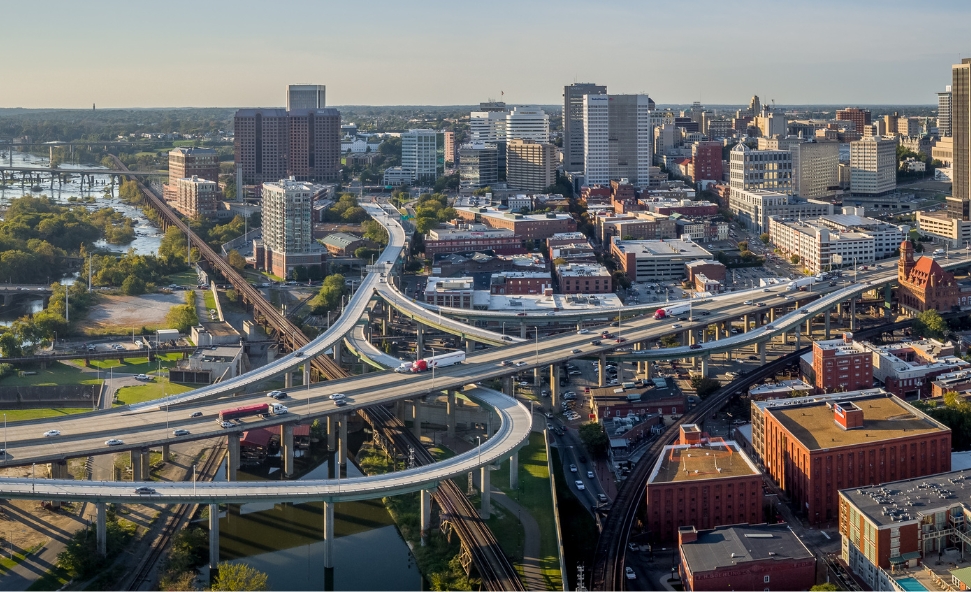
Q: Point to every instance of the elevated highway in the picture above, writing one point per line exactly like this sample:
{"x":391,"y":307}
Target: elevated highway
{"x":362,"y":347}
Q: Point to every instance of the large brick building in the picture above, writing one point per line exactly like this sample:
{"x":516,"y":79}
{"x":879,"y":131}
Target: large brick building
{"x":745,"y":557}
{"x":707,"y":158}
{"x":841,"y":365}
{"x":701,"y":483}
{"x":462,"y":240}
{"x":527,"y":226}
{"x":924,"y":285}
{"x":816,"y":448}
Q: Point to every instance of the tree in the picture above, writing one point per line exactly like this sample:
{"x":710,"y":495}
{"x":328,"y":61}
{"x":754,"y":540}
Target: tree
{"x":743,"y":246}
{"x":329,"y":296}
{"x":930,"y":324}
{"x":704,"y":386}
{"x":239,"y":576}
{"x":764,"y":237}
{"x":794,"y":259}
{"x":133,"y":286}
{"x":237,"y":261}
{"x":594,"y":437}
{"x":827,"y":587}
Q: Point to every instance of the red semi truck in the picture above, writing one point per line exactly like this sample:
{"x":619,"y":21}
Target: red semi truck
{"x":228,"y":414}
{"x":439,"y":361}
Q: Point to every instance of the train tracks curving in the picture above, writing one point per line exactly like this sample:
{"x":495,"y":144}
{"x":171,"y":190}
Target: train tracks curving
{"x":494,"y":567}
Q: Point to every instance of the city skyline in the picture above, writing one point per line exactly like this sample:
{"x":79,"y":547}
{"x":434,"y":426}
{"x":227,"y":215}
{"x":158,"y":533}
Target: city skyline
{"x":704,"y":60}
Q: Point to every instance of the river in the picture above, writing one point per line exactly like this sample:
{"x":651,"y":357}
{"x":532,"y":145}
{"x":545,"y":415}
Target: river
{"x":148,"y":236}
{"x":285,"y":541}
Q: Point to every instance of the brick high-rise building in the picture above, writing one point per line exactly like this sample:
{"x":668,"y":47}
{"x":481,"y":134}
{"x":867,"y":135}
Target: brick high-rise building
{"x":814,"y":449}
{"x":196,"y":197}
{"x":185,"y":163}
{"x":859,"y":117}
{"x":273,"y":144}
{"x":707,"y":158}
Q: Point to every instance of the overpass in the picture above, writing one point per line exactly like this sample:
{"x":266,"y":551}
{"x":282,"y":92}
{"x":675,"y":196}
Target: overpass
{"x":81,"y":171}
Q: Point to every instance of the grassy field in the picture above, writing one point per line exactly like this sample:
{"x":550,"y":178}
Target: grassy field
{"x":160,"y":387}
{"x":54,"y":374}
{"x":209,"y":300}
{"x":26,"y":414}
{"x":534,"y":494}
{"x":183,"y":278}
{"x":139,"y":365}
{"x":509,"y":532}
{"x":8,"y":563}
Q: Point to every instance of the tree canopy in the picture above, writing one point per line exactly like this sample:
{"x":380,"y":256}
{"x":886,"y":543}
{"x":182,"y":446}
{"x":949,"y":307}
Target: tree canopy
{"x":930,"y":324}
{"x":239,"y":576}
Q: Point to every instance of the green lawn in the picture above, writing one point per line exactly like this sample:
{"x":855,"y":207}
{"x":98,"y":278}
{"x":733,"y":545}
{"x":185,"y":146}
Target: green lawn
{"x":54,"y":374}
{"x":183,"y":278}
{"x":534,"y":494}
{"x":509,"y":532}
{"x":209,"y":300}
{"x":25,"y":414}
{"x":160,"y":387}
{"x":52,"y":580}
{"x":139,"y":365}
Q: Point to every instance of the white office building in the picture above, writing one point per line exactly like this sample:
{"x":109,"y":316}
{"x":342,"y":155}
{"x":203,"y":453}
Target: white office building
{"x":819,"y":248}
{"x":488,"y":126}
{"x":769,"y":170}
{"x":420,"y":154}
{"x":755,"y":207}
{"x":528,"y":123}
{"x":886,"y":237}
{"x":873,"y":166}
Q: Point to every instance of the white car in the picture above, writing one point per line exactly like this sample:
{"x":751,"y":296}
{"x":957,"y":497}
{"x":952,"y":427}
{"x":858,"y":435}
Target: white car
{"x":337,"y":396}
{"x":114,"y":442}
{"x":520,"y":363}
{"x":629,"y":573}
{"x":583,"y":331}
{"x":51,"y":433}
{"x":142,"y":377}
{"x":747,"y":302}
{"x":580,"y":485}
{"x":227,"y":424}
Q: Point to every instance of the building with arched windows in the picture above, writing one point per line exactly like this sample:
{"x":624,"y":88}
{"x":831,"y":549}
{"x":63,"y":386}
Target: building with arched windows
{"x":923,"y":284}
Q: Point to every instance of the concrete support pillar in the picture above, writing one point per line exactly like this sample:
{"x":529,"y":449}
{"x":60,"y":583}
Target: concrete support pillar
{"x":522,"y":330}
{"x":555,"y":385}
{"x":486,"y":490}
{"x":762,"y":356}
{"x":420,"y":342}
{"x":415,"y":420}
{"x":852,"y":314}
{"x":647,"y":370}
{"x":136,"y":465}
{"x":232,"y":458}
{"x":426,"y":514}
{"x":102,"y":528}
{"x":342,"y":452}
{"x":286,"y":448}
{"x":509,"y":386}
{"x":213,"y":536}
{"x":826,"y":320}
{"x":744,"y":323}
{"x":306,"y":373}
{"x":469,"y":346}
{"x":704,"y":366}
{"x":537,"y":381}
{"x":450,"y":414}
{"x":288,"y":380}
{"x":809,"y":326}
{"x":602,"y":369}
{"x":337,"y":352}
{"x":514,"y":470}
{"x":332,"y":431}
{"x":166,"y":454}
{"x":798,"y":336}
{"x":772,"y":315}
{"x":328,"y":535}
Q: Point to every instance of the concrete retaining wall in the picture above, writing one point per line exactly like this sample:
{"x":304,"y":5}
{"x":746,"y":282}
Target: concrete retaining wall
{"x":41,"y":397}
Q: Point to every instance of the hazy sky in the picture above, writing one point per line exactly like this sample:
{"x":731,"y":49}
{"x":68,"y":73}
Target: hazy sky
{"x":175,"y":53}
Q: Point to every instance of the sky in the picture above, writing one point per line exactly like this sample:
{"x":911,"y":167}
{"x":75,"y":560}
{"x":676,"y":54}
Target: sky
{"x":216,"y":53}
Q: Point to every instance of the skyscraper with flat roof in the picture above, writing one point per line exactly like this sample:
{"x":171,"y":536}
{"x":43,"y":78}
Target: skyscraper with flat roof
{"x":961,"y":132}
{"x":573,"y":122}
{"x":944,"y":112}
{"x":618,"y":138}
{"x":306,"y":96}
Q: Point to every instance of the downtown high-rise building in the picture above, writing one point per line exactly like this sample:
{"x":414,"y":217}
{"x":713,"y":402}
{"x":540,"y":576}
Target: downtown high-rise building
{"x":959,"y":204}
{"x":422,"y":153}
{"x":287,"y":239}
{"x":299,"y":142}
{"x":873,"y":166}
{"x":618,"y":139}
{"x":859,"y":117}
{"x":528,"y":123}
{"x":530,"y":166}
{"x":944,"y":112}
{"x":573,"y":145}
{"x":306,"y":96}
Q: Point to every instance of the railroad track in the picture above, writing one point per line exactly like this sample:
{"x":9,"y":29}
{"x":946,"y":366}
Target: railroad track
{"x":144,"y":576}
{"x":494,"y":567}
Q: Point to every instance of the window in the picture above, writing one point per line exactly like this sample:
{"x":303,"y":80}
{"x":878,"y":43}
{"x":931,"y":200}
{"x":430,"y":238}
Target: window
{"x":766,"y":580}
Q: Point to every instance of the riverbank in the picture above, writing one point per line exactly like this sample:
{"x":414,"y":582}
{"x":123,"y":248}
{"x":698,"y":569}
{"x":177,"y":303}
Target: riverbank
{"x":438,"y":559}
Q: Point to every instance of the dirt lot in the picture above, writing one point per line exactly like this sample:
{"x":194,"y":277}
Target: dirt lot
{"x":131,"y":311}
